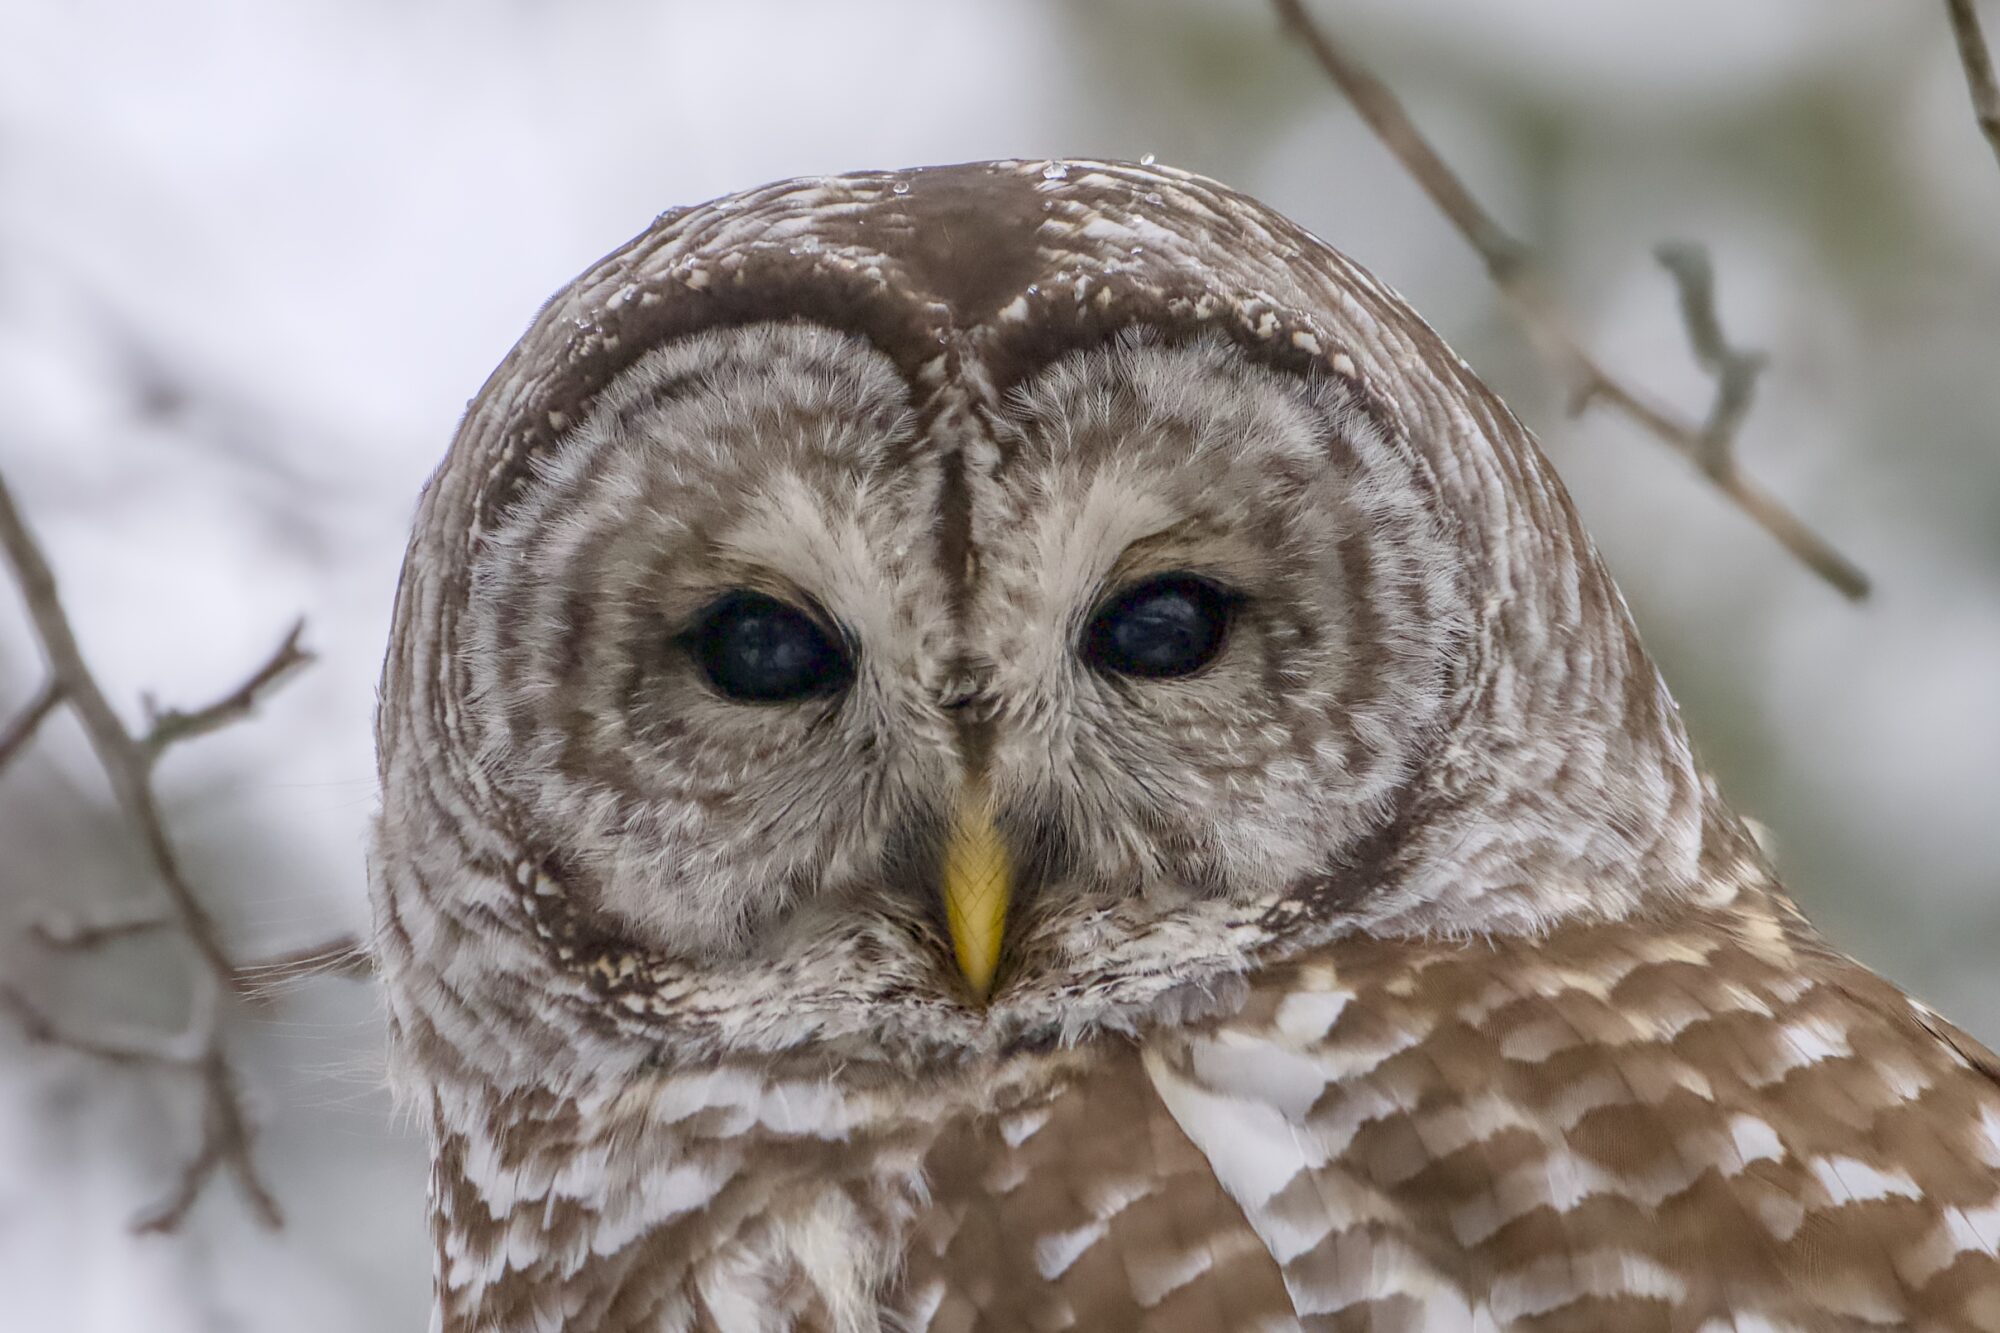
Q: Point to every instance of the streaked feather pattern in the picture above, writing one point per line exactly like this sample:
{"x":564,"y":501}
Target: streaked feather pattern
{"x":1663,"y":1123}
{"x":1399,"y":970}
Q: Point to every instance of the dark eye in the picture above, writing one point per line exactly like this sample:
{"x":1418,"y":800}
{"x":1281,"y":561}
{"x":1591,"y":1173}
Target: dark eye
{"x":758,"y":650}
{"x":1169,"y":626}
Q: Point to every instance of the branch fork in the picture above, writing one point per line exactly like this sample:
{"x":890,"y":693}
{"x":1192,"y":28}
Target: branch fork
{"x":1710,"y":445}
{"x":128,"y":762}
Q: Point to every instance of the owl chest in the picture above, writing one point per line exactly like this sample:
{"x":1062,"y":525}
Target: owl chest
{"x":711,"y":1211}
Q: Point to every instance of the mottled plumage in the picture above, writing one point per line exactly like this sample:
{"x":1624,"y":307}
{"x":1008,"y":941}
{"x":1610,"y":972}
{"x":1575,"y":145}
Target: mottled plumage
{"x":1396,"y":967}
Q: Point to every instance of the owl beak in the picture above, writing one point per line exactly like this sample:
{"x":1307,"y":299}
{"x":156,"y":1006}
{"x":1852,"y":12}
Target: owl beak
{"x":978,"y":882}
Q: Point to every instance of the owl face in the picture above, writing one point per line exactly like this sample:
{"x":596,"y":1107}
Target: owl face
{"x":1010,"y":600}
{"x":757,"y":646}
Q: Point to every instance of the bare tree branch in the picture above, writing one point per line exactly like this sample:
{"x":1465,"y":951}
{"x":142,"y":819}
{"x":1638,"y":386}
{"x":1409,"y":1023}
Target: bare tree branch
{"x":1550,"y":328}
{"x":39,"y":1028}
{"x":125,"y":761}
{"x":174,"y":725}
{"x":1978,"y":62}
{"x":21,"y":728}
{"x":340,"y":956}
{"x":128,"y":764}
{"x":1735,"y":371}
{"x":76,"y":933}
{"x":225,"y":1141}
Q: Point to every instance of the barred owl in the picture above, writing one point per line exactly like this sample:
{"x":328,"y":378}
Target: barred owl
{"x":1020,"y":747}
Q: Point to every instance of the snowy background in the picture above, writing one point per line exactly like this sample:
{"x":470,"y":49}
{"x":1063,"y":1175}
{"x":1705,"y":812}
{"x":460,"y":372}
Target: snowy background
{"x":254,"y":257}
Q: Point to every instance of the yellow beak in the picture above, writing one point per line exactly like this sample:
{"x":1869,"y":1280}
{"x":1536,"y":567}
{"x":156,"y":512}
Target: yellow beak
{"x":978,"y":881}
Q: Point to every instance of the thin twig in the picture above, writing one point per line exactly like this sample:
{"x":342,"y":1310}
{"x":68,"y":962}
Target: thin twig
{"x":173,"y":725}
{"x":39,"y":1028}
{"x":125,"y":761}
{"x":341,"y":956}
{"x":1978,"y":62}
{"x":21,"y":728}
{"x":225,"y":1141}
{"x":1734,"y":369}
{"x":78,"y":934}
{"x":225,"y":1133}
{"x":1548,"y":326}
{"x":128,"y":764}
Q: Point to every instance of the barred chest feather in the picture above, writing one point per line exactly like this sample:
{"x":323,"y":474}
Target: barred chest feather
{"x":1700,"y":1121}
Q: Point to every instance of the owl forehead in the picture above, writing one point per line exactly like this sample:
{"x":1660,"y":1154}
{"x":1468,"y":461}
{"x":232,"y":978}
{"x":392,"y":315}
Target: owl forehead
{"x":969,"y":279}
{"x":972,"y":286}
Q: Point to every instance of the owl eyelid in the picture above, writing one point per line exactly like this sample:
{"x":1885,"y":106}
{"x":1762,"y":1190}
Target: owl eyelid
{"x":1232,"y":597}
{"x":803,"y":604}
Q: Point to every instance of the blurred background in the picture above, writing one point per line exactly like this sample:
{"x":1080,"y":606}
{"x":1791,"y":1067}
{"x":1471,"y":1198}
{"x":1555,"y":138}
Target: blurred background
{"x":254,"y":258}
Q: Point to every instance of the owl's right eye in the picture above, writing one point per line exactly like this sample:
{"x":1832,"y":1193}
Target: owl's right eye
{"x":756,"y":649}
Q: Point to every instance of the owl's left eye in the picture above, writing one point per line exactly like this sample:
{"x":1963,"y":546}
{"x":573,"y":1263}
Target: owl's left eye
{"x":1173,"y":625}
{"x":756,"y":649}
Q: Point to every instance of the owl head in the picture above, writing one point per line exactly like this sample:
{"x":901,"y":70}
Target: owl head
{"x":925,"y":610}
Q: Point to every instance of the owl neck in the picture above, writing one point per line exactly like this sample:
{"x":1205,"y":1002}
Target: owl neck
{"x":1527,"y":834}
{"x":1565,"y":786}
